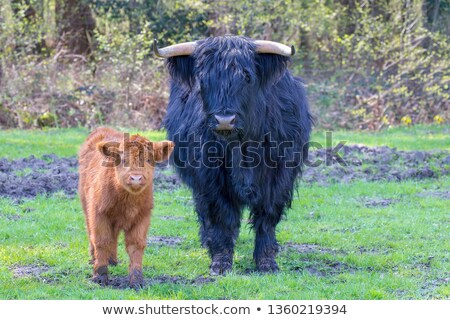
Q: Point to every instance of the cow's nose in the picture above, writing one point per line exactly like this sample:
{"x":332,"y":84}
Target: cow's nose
{"x":135,"y":179}
{"x":225,"y":122}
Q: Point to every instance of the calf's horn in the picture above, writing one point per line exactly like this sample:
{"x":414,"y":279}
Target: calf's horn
{"x":264,"y":46}
{"x":180,"y":49}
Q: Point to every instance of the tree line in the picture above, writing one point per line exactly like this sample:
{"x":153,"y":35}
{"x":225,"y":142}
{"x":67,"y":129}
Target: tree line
{"x":368,"y":63}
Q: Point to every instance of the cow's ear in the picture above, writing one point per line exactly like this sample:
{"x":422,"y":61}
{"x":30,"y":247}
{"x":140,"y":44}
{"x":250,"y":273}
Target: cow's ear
{"x":181,"y":69}
{"x":270,"y":67}
{"x":161,"y":150}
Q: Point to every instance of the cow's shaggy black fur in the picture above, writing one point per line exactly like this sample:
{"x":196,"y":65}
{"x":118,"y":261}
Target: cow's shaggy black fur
{"x":254,"y":165}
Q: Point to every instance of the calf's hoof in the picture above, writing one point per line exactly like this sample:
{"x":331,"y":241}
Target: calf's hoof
{"x":136,"y":280}
{"x":101,"y":276}
{"x":267,"y":265}
{"x":221,"y":264}
{"x":113,"y":261}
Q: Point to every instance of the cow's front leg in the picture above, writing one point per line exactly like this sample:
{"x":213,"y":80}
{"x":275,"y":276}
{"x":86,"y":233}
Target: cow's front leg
{"x":266,"y":245}
{"x":219,"y":229}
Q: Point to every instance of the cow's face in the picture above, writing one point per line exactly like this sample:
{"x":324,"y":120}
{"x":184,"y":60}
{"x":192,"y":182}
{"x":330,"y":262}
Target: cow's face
{"x":227,"y":89}
{"x":232,"y":80}
{"x":134,"y":160}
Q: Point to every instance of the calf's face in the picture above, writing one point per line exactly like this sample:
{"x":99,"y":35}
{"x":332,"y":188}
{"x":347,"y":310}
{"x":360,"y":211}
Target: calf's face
{"x":134,"y":160}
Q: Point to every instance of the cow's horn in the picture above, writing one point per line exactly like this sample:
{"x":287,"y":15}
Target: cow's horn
{"x":180,"y":49}
{"x":264,"y":46}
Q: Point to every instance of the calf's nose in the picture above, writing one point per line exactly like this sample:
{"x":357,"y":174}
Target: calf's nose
{"x":225,"y":122}
{"x":136,"y":179}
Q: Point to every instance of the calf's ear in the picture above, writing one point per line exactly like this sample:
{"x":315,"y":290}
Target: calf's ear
{"x":161,"y":150}
{"x":110,"y":149}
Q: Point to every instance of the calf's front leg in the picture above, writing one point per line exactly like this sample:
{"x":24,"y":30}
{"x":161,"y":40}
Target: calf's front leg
{"x":135,"y":241}
{"x":103,"y":242}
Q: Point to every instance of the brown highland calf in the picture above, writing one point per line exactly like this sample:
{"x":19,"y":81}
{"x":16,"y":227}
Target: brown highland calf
{"x":116,"y":192}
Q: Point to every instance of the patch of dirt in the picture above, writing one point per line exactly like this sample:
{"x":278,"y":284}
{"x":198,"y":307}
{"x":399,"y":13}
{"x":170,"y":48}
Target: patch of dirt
{"x":444,"y":194}
{"x":164,"y":241}
{"x":171,"y":218}
{"x":44,"y":175}
{"x":32,"y":270}
{"x":316,"y":249}
{"x":307,"y":248}
{"x":378,"y":251}
{"x":11,"y":217}
{"x":317,"y":267}
{"x":323,"y":268}
{"x":429,"y":287}
{"x":203,"y":280}
{"x":348,"y":230}
{"x":377,"y":203}
{"x":122,"y":282}
{"x":28,"y":177}
{"x":165,"y":179}
{"x":359,"y":162}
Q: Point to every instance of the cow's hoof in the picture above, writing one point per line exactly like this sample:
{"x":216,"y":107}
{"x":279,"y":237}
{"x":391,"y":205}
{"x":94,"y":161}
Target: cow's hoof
{"x":136,"y":281}
{"x":221,"y":264}
{"x":220,"y":268}
{"x":101,"y":276}
{"x":267,"y":265}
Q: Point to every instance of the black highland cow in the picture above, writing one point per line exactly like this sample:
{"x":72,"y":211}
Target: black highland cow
{"x":241,"y":127}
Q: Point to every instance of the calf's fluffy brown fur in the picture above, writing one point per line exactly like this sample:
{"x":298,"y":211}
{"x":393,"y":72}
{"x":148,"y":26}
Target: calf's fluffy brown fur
{"x":116,"y":192}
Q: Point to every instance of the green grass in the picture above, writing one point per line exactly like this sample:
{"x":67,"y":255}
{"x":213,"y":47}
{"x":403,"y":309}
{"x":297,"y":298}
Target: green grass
{"x":66,"y":142}
{"x":62,"y":142}
{"x":359,"y":251}
{"x":419,"y":137}
{"x":396,"y":252}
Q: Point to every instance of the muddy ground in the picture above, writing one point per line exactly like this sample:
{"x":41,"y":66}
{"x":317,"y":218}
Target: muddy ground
{"x":28,"y":177}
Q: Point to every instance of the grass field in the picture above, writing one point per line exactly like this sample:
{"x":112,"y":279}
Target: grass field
{"x":65,"y":142}
{"x":362,"y":240}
